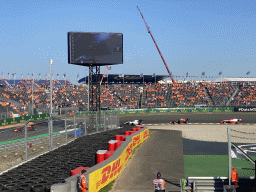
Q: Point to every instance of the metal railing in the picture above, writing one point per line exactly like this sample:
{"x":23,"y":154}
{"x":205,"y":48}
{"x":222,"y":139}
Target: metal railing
{"x":200,"y":184}
{"x":21,"y":143}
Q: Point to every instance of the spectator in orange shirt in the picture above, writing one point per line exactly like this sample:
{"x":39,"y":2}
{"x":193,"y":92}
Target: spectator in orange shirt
{"x":159,"y":183}
{"x":234,"y":177}
{"x":82,"y":183}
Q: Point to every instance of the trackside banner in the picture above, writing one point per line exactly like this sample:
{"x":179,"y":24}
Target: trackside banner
{"x":103,"y":176}
{"x":245,"y":109}
{"x":11,"y":121}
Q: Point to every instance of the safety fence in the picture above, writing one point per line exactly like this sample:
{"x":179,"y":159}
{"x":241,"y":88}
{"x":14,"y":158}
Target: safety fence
{"x":105,"y":172}
{"x":40,"y":137}
{"x":173,"y":110}
{"x":193,"y":184}
{"x":242,"y":149}
{"x":71,"y":111}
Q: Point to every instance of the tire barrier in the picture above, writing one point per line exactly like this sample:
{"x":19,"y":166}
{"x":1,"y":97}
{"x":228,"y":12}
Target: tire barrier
{"x":108,"y":169}
{"x":55,"y":166}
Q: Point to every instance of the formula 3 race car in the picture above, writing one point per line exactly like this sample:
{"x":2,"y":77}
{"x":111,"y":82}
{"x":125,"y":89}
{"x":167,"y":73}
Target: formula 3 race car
{"x":231,"y":121}
{"x":134,"y":122}
{"x":180,"y":121}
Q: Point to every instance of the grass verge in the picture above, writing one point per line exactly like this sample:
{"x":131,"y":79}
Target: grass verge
{"x":108,"y":187}
{"x":216,"y":166}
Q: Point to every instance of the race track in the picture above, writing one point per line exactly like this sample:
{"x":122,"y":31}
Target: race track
{"x":249,"y":118}
{"x":59,"y":125}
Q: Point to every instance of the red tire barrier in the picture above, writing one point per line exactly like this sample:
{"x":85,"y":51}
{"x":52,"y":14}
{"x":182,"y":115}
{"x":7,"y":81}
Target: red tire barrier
{"x":134,"y":129}
{"x":131,"y":132}
{"x":108,"y":154}
{"x":111,"y":145}
{"x":118,"y":137}
{"x":100,"y":156}
{"x":127,"y":133}
{"x":78,"y":170}
{"x":117,"y":144}
{"x":123,"y":137}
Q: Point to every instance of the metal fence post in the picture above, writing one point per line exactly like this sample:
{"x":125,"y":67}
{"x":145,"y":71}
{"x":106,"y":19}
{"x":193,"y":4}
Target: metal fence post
{"x":229,"y":156}
{"x":49,"y":129}
{"x":105,"y":128}
{"x":26,"y":140}
{"x":118,"y":119}
{"x":66,"y":128}
{"x":85,"y":132}
{"x":97,"y":122}
{"x":111,"y":120}
{"x":75,"y":124}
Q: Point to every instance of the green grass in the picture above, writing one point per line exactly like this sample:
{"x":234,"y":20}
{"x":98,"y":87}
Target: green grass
{"x":206,"y":165}
{"x":244,"y":167}
{"x":215,"y":166}
{"x":108,"y":187}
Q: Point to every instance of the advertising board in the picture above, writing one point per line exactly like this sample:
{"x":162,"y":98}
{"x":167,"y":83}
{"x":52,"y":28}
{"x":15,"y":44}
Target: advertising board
{"x":103,"y":176}
{"x":245,"y":109}
{"x":12,"y":121}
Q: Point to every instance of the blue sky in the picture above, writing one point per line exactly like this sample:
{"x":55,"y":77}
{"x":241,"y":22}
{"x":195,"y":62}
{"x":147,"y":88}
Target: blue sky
{"x":193,"y":35}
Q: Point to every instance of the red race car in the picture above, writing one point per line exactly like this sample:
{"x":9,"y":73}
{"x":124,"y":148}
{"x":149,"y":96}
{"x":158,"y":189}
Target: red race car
{"x":232,"y":121}
{"x":180,"y":121}
{"x":31,"y":127}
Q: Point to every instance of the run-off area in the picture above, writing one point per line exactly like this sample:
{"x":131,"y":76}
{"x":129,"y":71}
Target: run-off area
{"x":205,"y":149}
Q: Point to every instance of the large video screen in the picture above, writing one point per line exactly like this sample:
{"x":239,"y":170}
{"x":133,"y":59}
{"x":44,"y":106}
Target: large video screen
{"x":93,"y":48}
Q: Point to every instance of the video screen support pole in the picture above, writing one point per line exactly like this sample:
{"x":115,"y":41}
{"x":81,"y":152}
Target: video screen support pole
{"x":94,"y":88}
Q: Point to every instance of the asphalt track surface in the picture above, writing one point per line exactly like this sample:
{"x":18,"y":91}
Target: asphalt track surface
{"x":194,"y":117}
{"x":154,"y":156}
{"x":59,"y":125}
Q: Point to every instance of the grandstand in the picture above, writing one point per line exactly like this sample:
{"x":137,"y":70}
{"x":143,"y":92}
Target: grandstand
{"x":127,"y":79}
{"x":134,"y":95}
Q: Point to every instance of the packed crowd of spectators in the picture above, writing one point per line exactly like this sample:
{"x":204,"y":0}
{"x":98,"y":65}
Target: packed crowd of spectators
{"x":220,"y":93}
{"x":246,"y":96}
{"x":18,"y":98}
{"x":175,"y":95}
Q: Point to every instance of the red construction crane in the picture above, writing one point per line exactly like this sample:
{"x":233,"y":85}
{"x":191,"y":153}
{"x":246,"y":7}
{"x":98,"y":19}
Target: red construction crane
{"x":103,"y":75}
{"x":156,"y":46}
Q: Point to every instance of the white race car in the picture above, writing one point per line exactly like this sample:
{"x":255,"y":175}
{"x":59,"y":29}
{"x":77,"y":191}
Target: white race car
{"x":233,"y":121}
{"x":134,"y":122}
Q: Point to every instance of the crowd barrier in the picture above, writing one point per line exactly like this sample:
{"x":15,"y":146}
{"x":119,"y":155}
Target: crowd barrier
{"x":16,"y":120}
{"x":105,"y":172}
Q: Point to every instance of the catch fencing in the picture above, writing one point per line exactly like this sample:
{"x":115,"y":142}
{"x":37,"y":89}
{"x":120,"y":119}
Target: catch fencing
{"x":178,"y":110}
{"x":18,"y":145}
{"x":242,"y":149}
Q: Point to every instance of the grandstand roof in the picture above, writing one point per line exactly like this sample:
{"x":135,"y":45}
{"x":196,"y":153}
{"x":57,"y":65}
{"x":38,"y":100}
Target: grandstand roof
{"x":234,"y":79}
{"x":27,"y":82}
{"x":127,"y":79}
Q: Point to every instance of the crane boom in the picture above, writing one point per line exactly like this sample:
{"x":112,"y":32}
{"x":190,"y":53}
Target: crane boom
{"x":103,"y":75}
{"x":156,"y":46}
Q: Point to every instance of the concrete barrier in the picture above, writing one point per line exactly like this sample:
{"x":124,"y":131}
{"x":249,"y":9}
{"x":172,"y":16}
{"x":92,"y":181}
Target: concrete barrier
{"x":105,"y":172}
